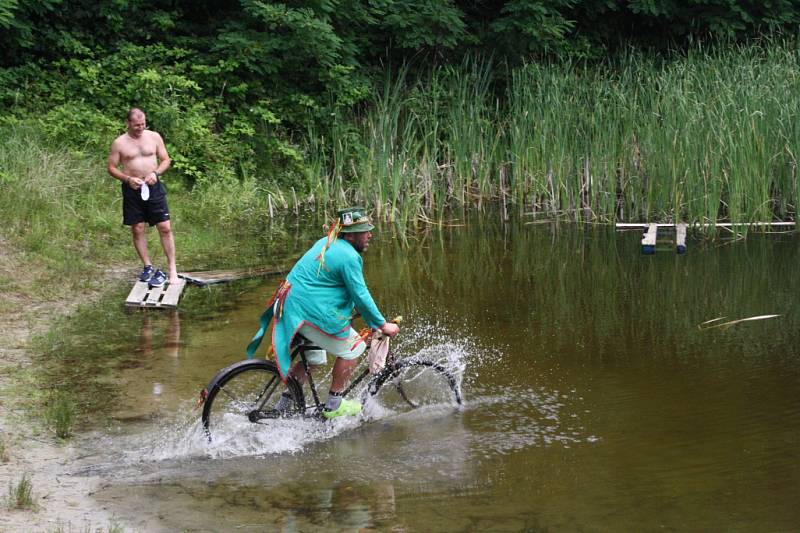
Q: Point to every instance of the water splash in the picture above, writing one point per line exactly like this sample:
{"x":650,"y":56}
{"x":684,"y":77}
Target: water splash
{"x":495,"y":423}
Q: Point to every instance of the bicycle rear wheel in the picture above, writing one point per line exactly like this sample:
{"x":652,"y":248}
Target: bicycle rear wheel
{"x":409,"y":384}
{"x":246,"y":392}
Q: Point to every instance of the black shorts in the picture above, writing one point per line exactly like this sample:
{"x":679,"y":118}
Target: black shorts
{"x":153,"y":211}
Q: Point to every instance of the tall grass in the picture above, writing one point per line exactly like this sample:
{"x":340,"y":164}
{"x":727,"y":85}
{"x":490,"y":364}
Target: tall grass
{"x":710,"y":135}
{"x":50,"y":194}
{"x":61,"y":209}
{"x":60,"y":415}
{"x":20,"y":494}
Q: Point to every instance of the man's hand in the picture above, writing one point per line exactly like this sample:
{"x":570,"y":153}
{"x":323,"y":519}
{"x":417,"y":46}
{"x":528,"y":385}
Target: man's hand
{"x":151,"y":178}
{"x":389,"y":329}
{"x":134,"y":183}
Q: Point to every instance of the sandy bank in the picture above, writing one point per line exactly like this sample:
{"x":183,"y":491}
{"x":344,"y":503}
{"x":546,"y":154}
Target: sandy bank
{"x":62,"y":502}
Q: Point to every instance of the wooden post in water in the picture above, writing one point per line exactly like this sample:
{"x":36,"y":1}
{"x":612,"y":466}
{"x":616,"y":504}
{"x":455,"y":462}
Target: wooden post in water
{"x":649,"y":239}
{"x":680,"y":237}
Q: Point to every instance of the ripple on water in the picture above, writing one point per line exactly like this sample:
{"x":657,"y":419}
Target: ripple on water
{"x":526,"y":417}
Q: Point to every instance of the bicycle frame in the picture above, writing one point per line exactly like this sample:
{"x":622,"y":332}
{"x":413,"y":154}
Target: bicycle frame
{"x":301,"y":349}
{"x":257,"y":409}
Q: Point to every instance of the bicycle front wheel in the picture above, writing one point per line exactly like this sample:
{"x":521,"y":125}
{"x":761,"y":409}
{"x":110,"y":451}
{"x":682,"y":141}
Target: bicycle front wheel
{"x":409,"y":384}
{"x":246,"y":393}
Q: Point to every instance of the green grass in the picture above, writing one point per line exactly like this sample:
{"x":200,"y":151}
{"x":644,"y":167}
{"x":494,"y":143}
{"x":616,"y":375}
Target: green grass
{"x":62,"y":212}
{"x":112,"y":527}
{"x":3,"y":451}
{"x":20,"y":494}
{"x":708,"y":135}
{"x":60,"y":416}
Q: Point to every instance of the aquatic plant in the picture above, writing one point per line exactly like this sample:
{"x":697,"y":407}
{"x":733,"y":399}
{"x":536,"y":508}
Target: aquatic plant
{"x":705,"y":136}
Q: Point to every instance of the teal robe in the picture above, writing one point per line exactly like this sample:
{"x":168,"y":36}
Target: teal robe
{"x":322,"y":296}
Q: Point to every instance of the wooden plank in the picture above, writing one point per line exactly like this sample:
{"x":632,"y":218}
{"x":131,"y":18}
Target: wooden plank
{"x":632,"y":225}
{"x":641,"y":225}
{"x":138,"y":294}
{"x":210,"y":277}
{"x":154,"y":296}
{"x":168,"y":295}
{"x":173,"y":293}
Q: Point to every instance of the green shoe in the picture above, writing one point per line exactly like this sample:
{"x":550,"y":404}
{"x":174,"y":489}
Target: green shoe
{"x":346,"y":408}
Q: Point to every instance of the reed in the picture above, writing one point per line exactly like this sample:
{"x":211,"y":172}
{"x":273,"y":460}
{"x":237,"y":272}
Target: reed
{"x":708,"y":135}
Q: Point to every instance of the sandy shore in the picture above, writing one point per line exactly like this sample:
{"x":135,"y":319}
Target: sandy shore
{"x":61,"y":502}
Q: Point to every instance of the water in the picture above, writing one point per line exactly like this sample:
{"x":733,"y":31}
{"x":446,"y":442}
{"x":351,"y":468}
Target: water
{"x":593,"y":399}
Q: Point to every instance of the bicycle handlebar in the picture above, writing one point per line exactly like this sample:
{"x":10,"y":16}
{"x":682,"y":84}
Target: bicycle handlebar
{"x":396,"y":320}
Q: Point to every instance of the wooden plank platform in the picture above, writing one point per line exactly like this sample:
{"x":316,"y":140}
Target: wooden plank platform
{"x":165,"y":297}
{"x":650,"y":236}
{"x":210,"y":277}
{"x":634,"y":225}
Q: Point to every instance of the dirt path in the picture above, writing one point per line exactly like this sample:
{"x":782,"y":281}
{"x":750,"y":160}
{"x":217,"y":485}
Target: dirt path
{"x":61,"y":503}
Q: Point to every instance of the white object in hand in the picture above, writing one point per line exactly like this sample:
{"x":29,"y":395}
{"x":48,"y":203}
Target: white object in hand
{"x":145,"y":190}
{"x":378,"y":350}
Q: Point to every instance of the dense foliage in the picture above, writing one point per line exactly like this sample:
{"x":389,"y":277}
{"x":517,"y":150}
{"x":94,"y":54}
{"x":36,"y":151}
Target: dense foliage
{"x":261,"y":90}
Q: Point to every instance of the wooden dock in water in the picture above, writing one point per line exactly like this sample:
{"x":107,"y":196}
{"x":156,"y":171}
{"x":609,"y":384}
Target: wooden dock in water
{"x":650,"y":236}
{"x":210,"y":277}
{"x":166,"y":296}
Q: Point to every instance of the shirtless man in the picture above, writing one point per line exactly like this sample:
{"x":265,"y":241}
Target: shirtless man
{"x":143,"y":157}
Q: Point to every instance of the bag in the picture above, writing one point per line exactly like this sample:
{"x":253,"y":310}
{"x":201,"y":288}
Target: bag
{"x":378,"y":350}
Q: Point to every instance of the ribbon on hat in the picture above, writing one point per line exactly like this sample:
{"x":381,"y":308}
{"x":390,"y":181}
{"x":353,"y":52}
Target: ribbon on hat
{"x":332,"y":235}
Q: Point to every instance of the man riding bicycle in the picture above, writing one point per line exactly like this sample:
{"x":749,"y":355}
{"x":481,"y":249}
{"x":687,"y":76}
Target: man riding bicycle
{"x":317,"y":302}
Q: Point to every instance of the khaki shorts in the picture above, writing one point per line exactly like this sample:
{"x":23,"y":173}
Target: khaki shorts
{"x":348,"y":348}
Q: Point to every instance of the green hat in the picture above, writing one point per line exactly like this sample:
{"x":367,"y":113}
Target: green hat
{"x":354,"y":220}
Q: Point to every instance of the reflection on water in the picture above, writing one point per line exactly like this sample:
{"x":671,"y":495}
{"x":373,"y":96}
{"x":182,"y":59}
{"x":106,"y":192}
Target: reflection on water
{"x":593,"y":400}
{"x":170,"y":344}
{"x":171,"y":338}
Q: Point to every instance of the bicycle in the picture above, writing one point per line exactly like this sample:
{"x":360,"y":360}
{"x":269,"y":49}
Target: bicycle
{"x":249,"y":389}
